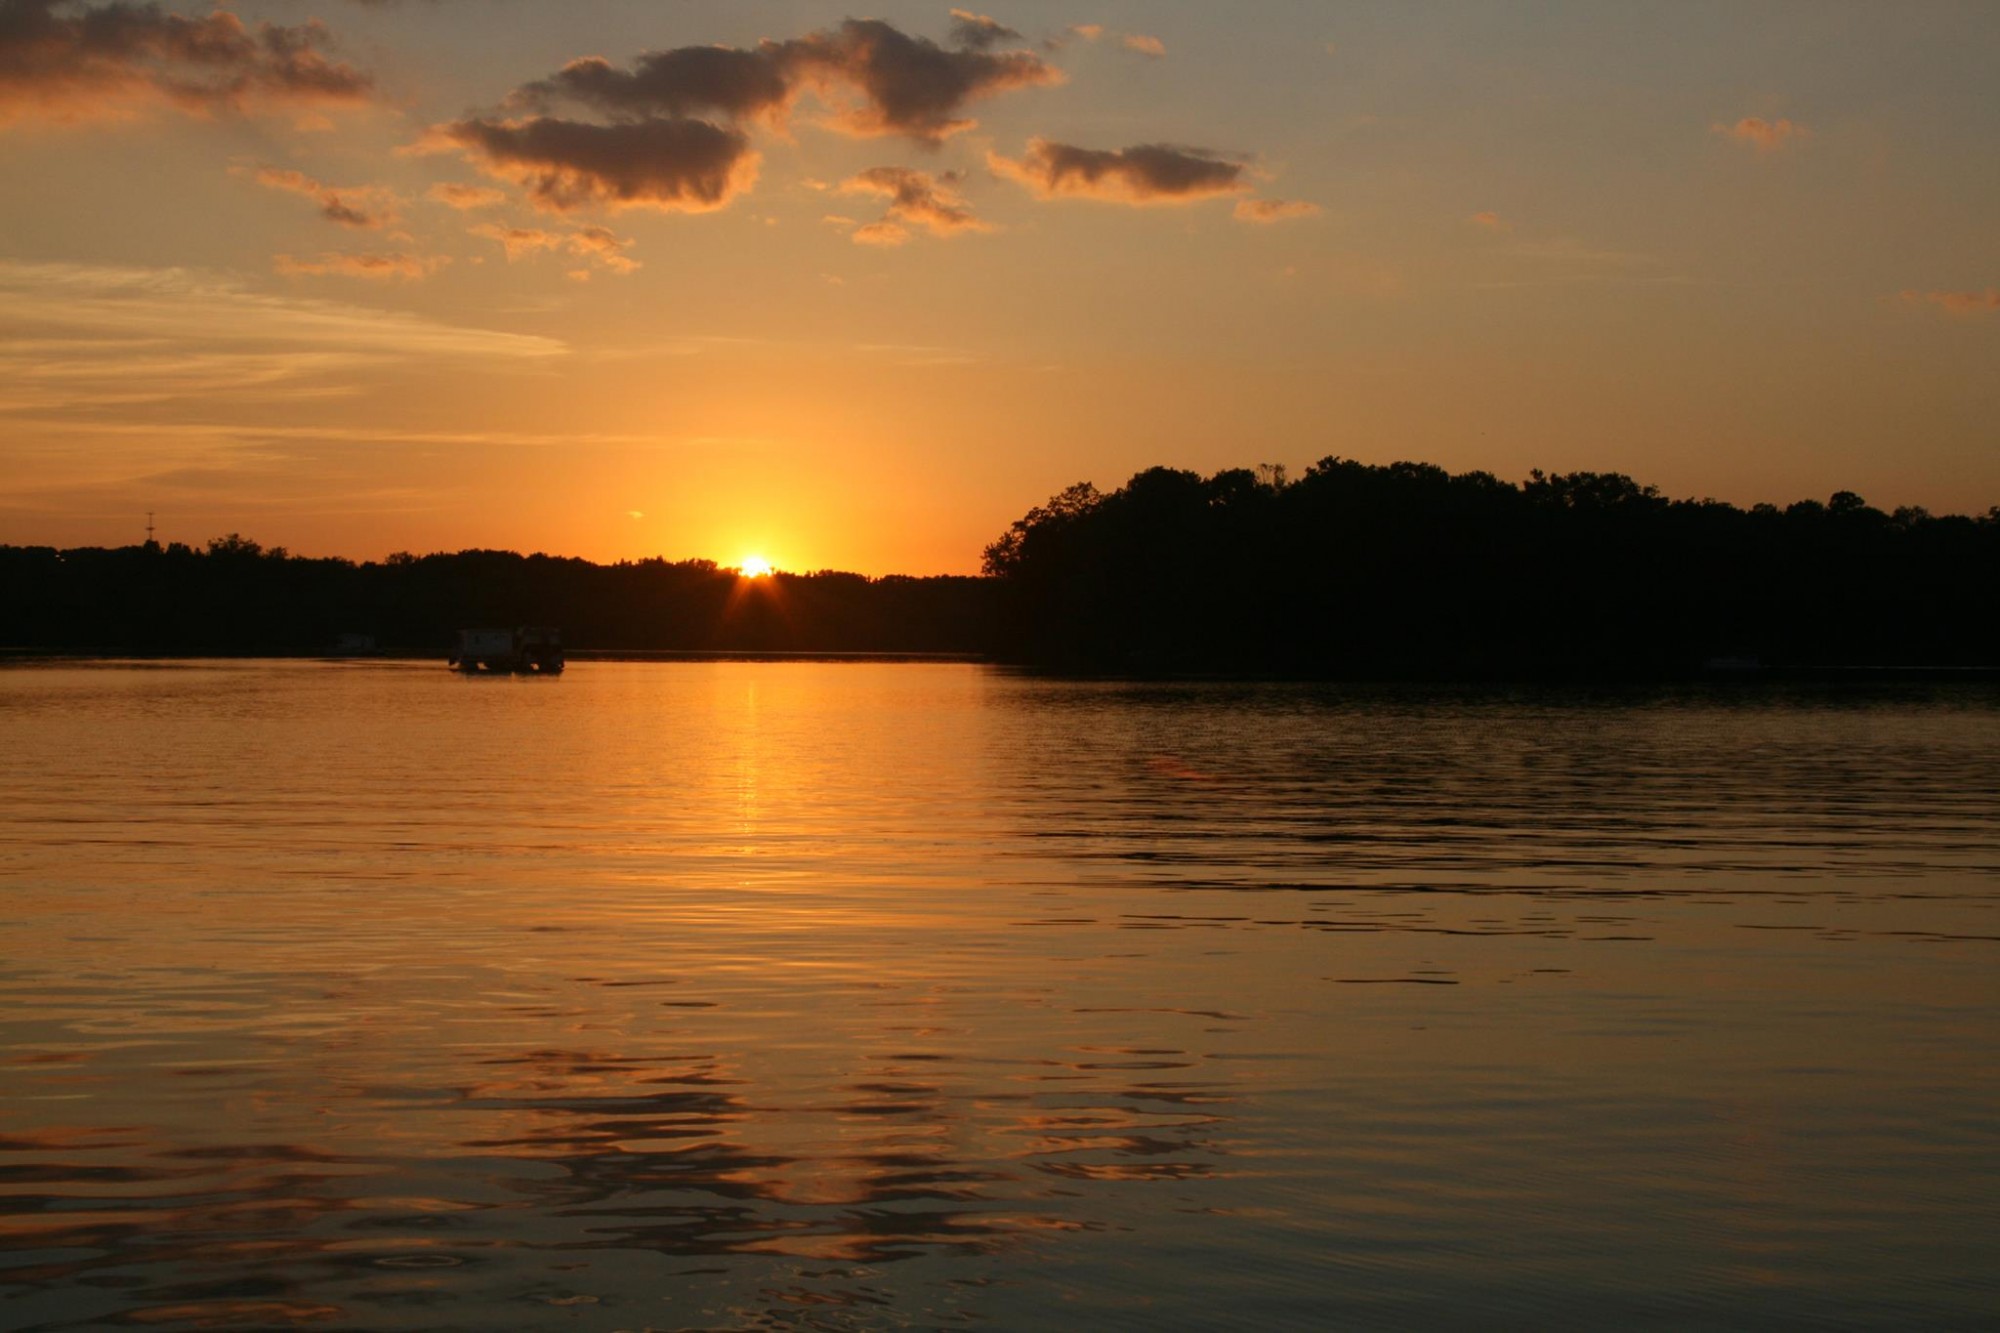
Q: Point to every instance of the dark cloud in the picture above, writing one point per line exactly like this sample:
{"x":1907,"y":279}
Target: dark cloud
{"x":884,"y":81}
{"x":976,"y":32}
{"x":914,"y":197}
{"x":688,"y":80}
{"x":876,"y":79}
{"x":1146,"y":174}
{"x":677,"y":165}
{"x":673,"y":128}
{"x":98,"y":62}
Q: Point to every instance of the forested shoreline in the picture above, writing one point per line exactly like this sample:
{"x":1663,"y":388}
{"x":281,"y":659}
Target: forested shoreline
{"x":1350,"y":569}
{"x":1408,"y":570}
{"x":235,"y":598}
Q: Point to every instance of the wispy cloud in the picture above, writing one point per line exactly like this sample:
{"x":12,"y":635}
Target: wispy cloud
{"x":117,"y":60}
{"x":1274,"y":210}
{"x":350,"y":206}
{"x":976,"y":32}
{"x":102,"y":337}
{"x":918,"y":198}
{"x":518,"y":242}
{"x":1958,"y":303}
{"x":599,"y":244}
{"x":465,"y":197}
{"x":921,"y":354}
{"x":1570,"y":250}
{"x":884,"y":233}
{"x":1137,"y":42}
{"x":209,"y":475}
{"x":378,"y":265}
{"x":1145,"y":174}
{"x":1766,"y":136}
{"x":1489,"y":220}
{"x":1561,"y":261}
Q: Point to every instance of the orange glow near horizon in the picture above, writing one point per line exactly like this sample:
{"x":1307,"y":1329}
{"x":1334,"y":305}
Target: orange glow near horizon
{"x":844,"y":333}
{"x":755,"y":567}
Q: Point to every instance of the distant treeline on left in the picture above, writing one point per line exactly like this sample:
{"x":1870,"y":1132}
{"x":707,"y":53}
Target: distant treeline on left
{"x":235,"y":597}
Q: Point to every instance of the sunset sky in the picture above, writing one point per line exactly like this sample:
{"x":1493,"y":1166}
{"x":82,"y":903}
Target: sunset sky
{"x":855,"y":288}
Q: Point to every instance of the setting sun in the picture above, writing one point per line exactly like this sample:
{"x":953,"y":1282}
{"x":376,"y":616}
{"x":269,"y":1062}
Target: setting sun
{"x":1383,"y":496}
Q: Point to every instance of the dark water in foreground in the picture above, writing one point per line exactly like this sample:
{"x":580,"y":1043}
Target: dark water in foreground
{"x":879,"y":996}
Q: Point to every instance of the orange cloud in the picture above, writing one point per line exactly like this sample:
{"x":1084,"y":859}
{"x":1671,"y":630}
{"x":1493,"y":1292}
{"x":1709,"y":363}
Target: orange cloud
{"x":113,"y":60}
{"x":1764,"y":135}
{"x":1131,"y":41}
{"x":1146,"y":174}
{"x":595,"y":243}
{"x":358,"y":206}
{"x":386,"y":267}
{"x":687,"y":166}
{"x":1959,"y":303}
{"x":883,"y":233}
{"x":518,"y":242}
{"x":916,"y":197}
{"x":1489,"y":220}
{"x":599,"y":244}
{"x":1274,"y":210}
{"x":465,"y":197}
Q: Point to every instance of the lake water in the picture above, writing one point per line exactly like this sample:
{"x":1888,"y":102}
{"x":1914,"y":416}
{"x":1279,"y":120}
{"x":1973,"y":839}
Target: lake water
{"x":855,"y":996}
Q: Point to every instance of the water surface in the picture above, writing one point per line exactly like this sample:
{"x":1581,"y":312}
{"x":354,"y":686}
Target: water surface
{"x":831,"y":996}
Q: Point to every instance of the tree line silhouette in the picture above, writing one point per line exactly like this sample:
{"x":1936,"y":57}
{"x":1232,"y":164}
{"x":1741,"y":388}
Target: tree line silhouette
{"x":235,"y":597}
{"x":1407,"y":569}
{"x":1348,"y":569}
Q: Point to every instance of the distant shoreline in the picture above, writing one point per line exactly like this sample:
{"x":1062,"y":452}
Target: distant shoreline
{"x":1404,"y":572}
{"x":760,"y":655}
{"x":1541,"y":676}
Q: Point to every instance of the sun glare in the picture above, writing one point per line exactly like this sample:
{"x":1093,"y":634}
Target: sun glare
{"x":755,"y":567}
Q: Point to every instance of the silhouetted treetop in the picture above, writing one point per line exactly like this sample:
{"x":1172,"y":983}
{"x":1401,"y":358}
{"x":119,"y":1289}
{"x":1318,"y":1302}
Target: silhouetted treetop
{"x":1407,"y":568}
